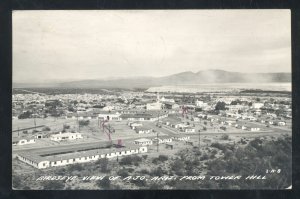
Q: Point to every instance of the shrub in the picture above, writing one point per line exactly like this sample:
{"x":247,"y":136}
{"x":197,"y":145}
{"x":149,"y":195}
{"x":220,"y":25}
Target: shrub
{"x":103,"y":163}
{"x":123,"y":173}
{"x":84,"y":122}
{"x":104,"y":183}
{"x":219,"y":146}
{"x":53,"y":185}
{"x":162,"y":158}
{"x":46,"y":128}
{"x":225,"y":137}
{"x":129,"y":160}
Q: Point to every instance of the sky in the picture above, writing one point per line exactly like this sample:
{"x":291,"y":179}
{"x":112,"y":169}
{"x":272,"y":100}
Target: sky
{"x":75,"y":45}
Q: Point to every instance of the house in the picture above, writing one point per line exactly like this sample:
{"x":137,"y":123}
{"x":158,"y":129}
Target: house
{"x":154,"y":106}
{"x":201,"y":104}
{"x":257,"y":105}
{"x":179,"y":125}
{"x":189,"y":130}
{"x":141,"y":130}
{"x":135,"y":124}
{"x":65,"y":136}
{"x":281,"y":123}
{"x":22,"y":141}
{"x":229,"y":122}
{"x":143,"y":142}
{"x":38,"y":136}
{"x":165,"y":140}
{"x":271,"y":122}
{"x":171,"y":105}
{"x":195,"y":119}
{"x":251,"y":118}
{"x":254,"y":129}
{"x":109,"y":115}
{"x":244,"y":128}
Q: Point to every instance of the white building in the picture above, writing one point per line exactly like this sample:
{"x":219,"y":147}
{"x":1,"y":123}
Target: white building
{"x":257,"y":105}
{"x":154,"y":106}
{"x":163,"y":99}
{"x":22,"y":141}
{"x":143,"y":142}
{"x":189,"y":130}
{"x":201,"y":104}
{"x":65,"y":136}
{"x":40,"y":162}
{"x":254,"y":129}
{"x":281,"y":123}
{"x":133,"y":125}
{"x":141,"y":130}
{"x":109,"y":115}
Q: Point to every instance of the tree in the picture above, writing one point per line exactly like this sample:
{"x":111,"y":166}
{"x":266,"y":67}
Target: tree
{"x":25,"y":115}
{"x":220,"y":106}
{"x":225,"y":137}
{"x":84,"y":122}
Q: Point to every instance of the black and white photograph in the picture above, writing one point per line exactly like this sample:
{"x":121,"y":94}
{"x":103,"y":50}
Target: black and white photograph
{"x":151,"y":99}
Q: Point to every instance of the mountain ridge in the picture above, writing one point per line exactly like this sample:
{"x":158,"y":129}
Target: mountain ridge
{"x":187,"y":77}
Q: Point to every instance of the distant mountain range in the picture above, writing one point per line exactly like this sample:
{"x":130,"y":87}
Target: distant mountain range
{"x":184,"y":78}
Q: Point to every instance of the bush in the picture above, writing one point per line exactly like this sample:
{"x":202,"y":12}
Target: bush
{"x":123,"y":173}
{"x":16,"y":182}
{"x":129,"y":160}
{"x":103,"y":163}
{"x":225,"y":137}
{"x":204,"y":157}
{"x":67,"y":126}
{"x":84,"y":122}
{"x":219,"y":146}
{"x":46,"y":128}
{"x":162,"y":158}
{"x":104,"y":183}
{"x":53,"y":185}
{"x":177,"y":166}
{"x":75,"y":167}
{"x":157,"y":172}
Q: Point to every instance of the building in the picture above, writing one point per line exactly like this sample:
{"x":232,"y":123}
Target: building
{"x":141,"y":130}
{"x":42,"y":161}
{"x":254,"y":129}
{"x":133,"y":125}
{"x":65,"y":136}
{"x":109,"y":115}
{"x":154,"y":106}
{"x":143,"y":142}
{"x":171,"y":105}
{"x":257,"y":105}
{"x":281,"y":123}
{"x":22,"y":141}
{"x":163,"y":99}
{"x":230,"y":122}
{"x":189,"y":130}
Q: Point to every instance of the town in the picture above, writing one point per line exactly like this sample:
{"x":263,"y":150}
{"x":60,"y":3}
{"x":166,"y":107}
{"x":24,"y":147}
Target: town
{"x":56,"y":130}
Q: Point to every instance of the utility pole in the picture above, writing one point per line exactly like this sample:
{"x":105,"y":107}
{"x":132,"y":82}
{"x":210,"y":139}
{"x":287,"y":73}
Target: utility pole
{"x":34,"y":123}
{"x":157,"y":140}
{"x":199,"y":140}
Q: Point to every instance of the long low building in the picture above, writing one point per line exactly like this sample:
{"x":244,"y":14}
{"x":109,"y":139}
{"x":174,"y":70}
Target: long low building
{"x":42,"y":161}
{"x":22,"y":141}
{"x":65,"y":136}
